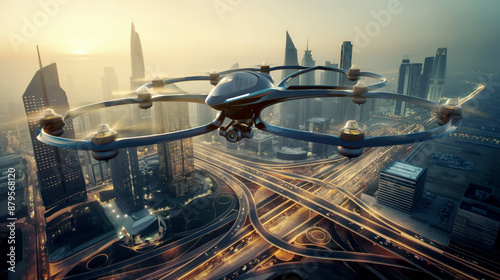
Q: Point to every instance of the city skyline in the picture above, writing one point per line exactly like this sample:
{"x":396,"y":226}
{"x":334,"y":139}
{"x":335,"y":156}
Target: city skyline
{"x":385,"y":189}
{"x":84,"y":47}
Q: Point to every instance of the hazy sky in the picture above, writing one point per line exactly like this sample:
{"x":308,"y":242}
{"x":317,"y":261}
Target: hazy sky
{"x":186,"y":37}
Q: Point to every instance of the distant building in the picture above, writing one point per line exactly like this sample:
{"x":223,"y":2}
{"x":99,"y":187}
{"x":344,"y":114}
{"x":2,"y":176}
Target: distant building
{"x":476,"y":229}
{"x":127,"y":180}
{"x":141,"y":118}
{"x":409,"y":76}
{"x":176,"y":173}
{"x":60,"y":174}
{"x":330,"y":106}
{"x":291,"y":111}
{"x":205,"y":116}
{"x":308,"y":79}
{"x":347,"y":110}
{"x":401,"y":185}
{"x":438,"y":75}
{"x":317,"y":125}
{"x":20,"y":165}
{"x":307,"y":60}
{"x":109,"y":83}
{"x":260,"y":143}
{"x":97,"y":170}
{"x":423,"y":85}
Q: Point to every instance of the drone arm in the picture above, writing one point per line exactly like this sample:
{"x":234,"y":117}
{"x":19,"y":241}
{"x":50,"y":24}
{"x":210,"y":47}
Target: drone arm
{"x":367,"y":142}
{"x":99,"y":105}
{"x":131,"y":141}
{"x":187,"y":79}
{"x":195,"y":98}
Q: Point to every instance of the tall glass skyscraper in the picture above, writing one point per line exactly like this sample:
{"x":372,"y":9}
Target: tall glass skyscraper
{"x":438,"y":75}
{"x":347,"y":109}
{"x":408,"y":81}
{"x":127,"y":179}
{"x":59,"y":173}
{"x":423,"y":85}
{"x":290,"y":111}
{"x":176,"y":172}
{"x":142,"y":118}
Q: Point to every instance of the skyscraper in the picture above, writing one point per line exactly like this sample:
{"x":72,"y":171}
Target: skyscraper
{"x":176,"y":173}
{"x":205,"y":116}
{"x":307,"y":60}
{"x":330,"y":106}
{"x":401,"y":185}
{"x":403,"y":86}
{"x":291,"y":58}
{"x":438,"y":75}
{"x":290,"y":111}
{"x":308,"y":79}
{"x":142,"y":118}
{"x":109,"y":83}
{"x":137,"y":60}
{"x":423,"y":85}
{"x":60,"y":175}
{"x":408,"y":80}
{"x":347,"y":109}
{"x":317,"y":125}
{"x":127,"y":180}
{"x":476,"y":229}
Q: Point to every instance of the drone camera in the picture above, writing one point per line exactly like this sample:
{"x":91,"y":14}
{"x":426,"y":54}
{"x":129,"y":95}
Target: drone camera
{"x":52,"y":123}
{"x":104,"y":135}
{"x":236,"y":132}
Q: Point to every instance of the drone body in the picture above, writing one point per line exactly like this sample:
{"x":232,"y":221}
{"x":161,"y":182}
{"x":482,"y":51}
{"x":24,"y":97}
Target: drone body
{"x":241,"y":95}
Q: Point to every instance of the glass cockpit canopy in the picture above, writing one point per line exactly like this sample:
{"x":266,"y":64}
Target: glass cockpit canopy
{"x":234,"y":82}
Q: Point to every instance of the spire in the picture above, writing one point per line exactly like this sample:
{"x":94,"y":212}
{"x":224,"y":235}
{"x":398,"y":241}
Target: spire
{"x":39,"y":59}
{"x":42,"y":79}
{"x":289,"y":42}
{"x":307,"y":47}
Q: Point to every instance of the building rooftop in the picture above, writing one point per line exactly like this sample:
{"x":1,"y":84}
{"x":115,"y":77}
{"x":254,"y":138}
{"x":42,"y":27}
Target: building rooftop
{"x":404,"y":170}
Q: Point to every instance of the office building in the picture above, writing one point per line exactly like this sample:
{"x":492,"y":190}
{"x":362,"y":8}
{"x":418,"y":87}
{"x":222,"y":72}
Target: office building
{"x":438,"y":75}
{"x":317,"y":125}
{"x":348,"y":110}
{"x":308,"y":79}
{"x":205,"y":116}
{"x":401,"y":185}
{"x":260,"y":143}
{"x":109,"y":83}
{"x":127,"y":180}
{"x":141,"y":121}
{"x":404,"y":78}
{"x":291,"y":111}
{"x":307,"y":60}
{"x":176,"y":172}
{"x":423,"y":85}
{"x":476,"y":230}
{"x":330,"y":105}
{"x":59,"y":172}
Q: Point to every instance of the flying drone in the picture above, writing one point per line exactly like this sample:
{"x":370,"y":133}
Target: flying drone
{"x":241,"y":95}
